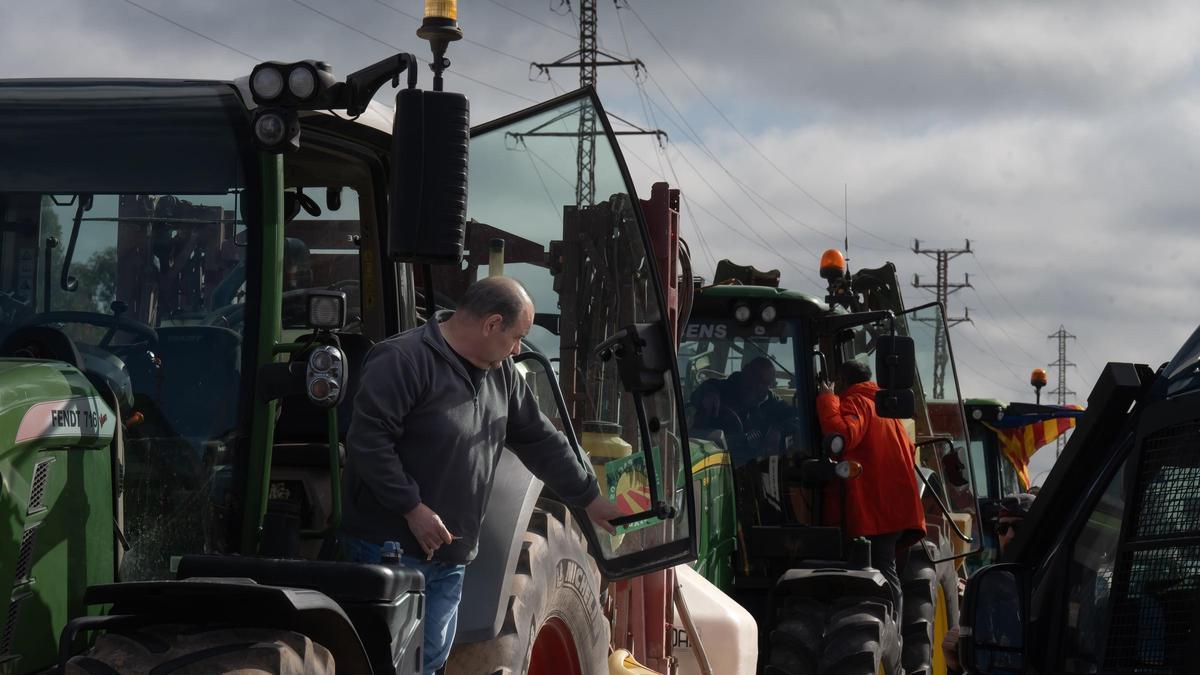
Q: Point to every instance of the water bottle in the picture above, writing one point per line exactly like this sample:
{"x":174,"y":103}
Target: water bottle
{"x":391,"y":553}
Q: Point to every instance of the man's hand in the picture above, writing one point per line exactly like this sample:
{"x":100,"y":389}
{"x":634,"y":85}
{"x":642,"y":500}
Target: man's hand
{"x":601,"y":511}
{"x":824,"y":387}
{"x":710,"y":405}
{"x":428,"y":529}
{"x":950,"y":648}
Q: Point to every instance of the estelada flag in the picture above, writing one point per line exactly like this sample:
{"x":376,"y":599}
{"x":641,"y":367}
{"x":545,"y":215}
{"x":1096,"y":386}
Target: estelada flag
{"x":1021,"y":435}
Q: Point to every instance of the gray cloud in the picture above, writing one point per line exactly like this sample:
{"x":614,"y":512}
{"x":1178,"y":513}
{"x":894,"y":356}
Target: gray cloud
{"x":1062,"y":138}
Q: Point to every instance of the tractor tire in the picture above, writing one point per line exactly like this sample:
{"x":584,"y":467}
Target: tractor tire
{"x":554,"y":604}
{"x":852,"y":636}
{"x":930,"y":609}
{"x":195,"y":650}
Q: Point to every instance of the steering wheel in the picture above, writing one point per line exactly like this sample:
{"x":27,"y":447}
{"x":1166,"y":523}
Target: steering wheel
{"x":109,"y":321}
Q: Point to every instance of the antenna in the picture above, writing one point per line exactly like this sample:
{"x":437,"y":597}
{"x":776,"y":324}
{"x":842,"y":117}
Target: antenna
{"x":846,"y":216}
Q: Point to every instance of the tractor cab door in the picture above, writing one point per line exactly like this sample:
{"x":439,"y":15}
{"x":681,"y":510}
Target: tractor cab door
{"x":552,"y":205}
{"x":940,"y":431}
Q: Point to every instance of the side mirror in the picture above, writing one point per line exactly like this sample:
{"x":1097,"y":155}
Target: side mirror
{"x":994,"y":633}
{"x":895,"y":361}
{"x":897,"y":404}
{"x":430,"y":135}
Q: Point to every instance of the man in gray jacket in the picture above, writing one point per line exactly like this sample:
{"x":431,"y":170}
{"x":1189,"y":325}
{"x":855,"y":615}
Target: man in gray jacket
{"x":435,"y":407}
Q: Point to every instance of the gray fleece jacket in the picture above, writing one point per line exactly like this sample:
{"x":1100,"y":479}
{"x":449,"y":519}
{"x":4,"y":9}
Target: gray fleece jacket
{"x":422,"y":433}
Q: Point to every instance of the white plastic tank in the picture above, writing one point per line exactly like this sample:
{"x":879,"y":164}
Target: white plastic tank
{"x":727,"y":631}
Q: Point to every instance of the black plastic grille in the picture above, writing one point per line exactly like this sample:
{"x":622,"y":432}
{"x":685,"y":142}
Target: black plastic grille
{"x":1169,"y":481}
{"x":25,"y":556}
{"x":37,"y":493}
{"x":10,"y":625}
{"x":1156,"y":589}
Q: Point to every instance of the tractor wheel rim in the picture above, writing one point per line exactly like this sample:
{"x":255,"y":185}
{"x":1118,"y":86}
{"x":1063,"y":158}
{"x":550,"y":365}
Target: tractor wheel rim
{"x":554,"y":651}
{"x":941,"y":625}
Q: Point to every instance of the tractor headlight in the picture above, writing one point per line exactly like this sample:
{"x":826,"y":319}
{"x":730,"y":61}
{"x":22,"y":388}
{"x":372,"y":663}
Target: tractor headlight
{"x":266,"y":83}
{"x":326,"y":309}
{"x":326,"y":377}
{"x":302,"y":83}
{"x":270,"y":128}
{"x":742,"y":313}
{"x":768,"y":313}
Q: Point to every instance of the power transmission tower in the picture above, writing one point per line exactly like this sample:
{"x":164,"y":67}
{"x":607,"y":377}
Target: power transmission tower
{"x":589,"y":57}
{"x":1062,"y":364}
{"x":942,"y":289}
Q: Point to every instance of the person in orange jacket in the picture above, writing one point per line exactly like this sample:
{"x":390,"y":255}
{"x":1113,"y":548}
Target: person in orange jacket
{"x":883,"y":504}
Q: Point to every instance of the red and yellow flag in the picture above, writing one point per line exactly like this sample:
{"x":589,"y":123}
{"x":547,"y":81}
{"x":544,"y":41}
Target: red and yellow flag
{"x":1019,"y":443}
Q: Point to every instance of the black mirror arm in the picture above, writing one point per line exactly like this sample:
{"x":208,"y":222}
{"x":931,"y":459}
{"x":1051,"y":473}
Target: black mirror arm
{"x":945,"y":509}
{"x":559,"y":400}
{"x":361,"y":85}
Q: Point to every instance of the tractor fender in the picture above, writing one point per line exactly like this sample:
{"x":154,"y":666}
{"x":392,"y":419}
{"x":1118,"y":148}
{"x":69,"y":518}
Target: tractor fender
{"x":828,"y":584}
{"x":204,"y":600}
{"x":487,"y":585}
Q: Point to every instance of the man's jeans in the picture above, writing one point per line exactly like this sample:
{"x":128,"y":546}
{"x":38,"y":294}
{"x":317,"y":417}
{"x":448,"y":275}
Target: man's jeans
{"x":883,"y":558}
{"x":443,"y":590}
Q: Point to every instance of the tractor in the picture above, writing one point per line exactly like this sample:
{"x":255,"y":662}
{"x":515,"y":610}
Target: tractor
{"x":191,"y":274}
{"x":1102,"y":575}
{"x":770,"y":529}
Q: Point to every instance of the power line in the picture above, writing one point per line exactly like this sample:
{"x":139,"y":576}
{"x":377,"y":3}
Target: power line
{"x":1004,"y":297}
{"x":467,"y":40}
{"x":748,"y":142}
{"x":389,"y":45}
{"x":530,"y":18}
{"x":1000,"y":325}
{"x":194,"y":32}
{"x":692,"y":135}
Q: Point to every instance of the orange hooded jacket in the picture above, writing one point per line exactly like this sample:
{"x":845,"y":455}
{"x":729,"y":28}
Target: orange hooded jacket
{"x":884,"y":498}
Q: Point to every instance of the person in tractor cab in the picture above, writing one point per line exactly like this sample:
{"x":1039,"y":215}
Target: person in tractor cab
{"x":883,"y":504}
{"x":435,"y":407}
{"x":745,"y":410}
{"x":1013,"y":511}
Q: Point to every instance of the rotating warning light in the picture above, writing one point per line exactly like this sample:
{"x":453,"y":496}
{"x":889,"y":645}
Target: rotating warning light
{"x":833,"y":264}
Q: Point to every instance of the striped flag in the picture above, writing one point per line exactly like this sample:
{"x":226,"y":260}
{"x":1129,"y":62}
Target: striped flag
{"x":1022,"y":435}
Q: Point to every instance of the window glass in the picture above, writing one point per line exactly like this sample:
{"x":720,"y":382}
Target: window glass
{"x":740,"y":388}
{"x":1089,"y":578}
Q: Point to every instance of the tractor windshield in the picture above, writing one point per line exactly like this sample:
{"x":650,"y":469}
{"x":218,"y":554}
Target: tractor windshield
{"x":741,"y":390}
{"x":122,"y":233}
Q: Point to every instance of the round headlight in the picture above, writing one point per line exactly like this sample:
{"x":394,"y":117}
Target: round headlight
{"x":320,"y":388}
{"x":320,"y":361}
{"x":837,"y":444}
{"x":267,"y":83}
{"x":769,"y":313}
{"x":270,"y":129}
{"x":742,"y":313}
{"x":977,"y":414}
{"x":301,"y":82}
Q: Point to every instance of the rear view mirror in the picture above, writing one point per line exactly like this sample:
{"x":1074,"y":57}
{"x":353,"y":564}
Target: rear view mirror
{"x":994,"y":621}
{"x":430,"y":135}
{"x":895,"y":361}
{"x":898,"y":404}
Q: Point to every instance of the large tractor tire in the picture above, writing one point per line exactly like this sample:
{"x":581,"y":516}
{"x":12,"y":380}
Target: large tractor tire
{"x":554,"y":624}
{"x":852,"y":636}
{"x":197,"y":650}
{"x":930,"y":609}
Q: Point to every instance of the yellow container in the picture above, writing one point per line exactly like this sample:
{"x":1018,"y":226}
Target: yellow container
{"x":602,"y":441}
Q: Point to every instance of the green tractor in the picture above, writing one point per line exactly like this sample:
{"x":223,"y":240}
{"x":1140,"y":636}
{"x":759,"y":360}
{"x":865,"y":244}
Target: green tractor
{"x":770,"y":529}
{"x":191,"y":274}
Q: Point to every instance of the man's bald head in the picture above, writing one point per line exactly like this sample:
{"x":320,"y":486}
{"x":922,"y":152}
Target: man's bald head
{"x":496,"y":295}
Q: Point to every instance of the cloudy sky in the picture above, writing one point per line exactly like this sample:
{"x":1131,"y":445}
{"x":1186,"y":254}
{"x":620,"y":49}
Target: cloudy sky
{"x":1062,"y":139}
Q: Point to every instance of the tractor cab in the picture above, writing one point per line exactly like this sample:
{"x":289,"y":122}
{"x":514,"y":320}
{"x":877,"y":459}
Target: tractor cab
{"x":772,"y":483}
